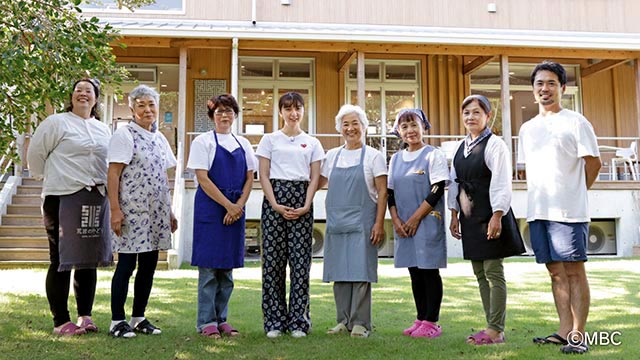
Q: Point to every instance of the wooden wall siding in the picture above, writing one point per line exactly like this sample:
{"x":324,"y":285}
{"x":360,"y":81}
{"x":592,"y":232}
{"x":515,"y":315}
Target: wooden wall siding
{"x":445,"y":89}
{"x":609,"y":102}
{"x":626,"y":98}
{"x":567,"y":15}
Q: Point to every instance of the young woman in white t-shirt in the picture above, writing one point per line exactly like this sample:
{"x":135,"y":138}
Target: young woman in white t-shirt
{"x":289,"y":165}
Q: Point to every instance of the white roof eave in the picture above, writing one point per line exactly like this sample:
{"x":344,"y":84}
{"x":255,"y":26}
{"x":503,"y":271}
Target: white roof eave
{"x":375,"y":34}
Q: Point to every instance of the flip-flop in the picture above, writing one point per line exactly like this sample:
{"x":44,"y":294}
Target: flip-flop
{"x":554,"y":339}
{"x":211,"y":331}
{"x":482,"y":338}
{"x":87,"y":324}
{"x":340,"y":328}
{"x":228,"y":330}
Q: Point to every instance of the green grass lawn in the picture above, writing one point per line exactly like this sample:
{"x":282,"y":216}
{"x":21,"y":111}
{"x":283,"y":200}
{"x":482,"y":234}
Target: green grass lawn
{"x":25,"y":327}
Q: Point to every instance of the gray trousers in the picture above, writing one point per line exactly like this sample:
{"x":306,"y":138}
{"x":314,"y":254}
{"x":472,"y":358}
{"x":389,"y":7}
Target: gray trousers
{"x":493,"y":291}
{"x":353,"y":303}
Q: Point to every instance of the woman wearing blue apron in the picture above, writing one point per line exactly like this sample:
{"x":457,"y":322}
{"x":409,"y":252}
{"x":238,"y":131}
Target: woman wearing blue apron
{"x":224,"y":166}
{"x":480,"y":203}
{"x":417,"y":177}
{"x":355,"y":207}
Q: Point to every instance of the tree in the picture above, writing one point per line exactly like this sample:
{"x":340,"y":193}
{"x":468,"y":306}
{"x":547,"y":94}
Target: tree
{"x":45,"y":45}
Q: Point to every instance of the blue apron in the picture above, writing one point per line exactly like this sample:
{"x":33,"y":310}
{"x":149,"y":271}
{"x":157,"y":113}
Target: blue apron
{"x":427,"y":249}
{"x":216,"y":245}
{"x":348,"y":252}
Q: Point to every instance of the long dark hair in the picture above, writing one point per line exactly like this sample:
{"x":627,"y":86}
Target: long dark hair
{"x":96,"y":89}
{"x":290,"y":99}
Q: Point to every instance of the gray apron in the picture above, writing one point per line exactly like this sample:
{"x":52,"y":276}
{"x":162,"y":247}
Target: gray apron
{"x":427,"y":249}
{"x":348,"y":252}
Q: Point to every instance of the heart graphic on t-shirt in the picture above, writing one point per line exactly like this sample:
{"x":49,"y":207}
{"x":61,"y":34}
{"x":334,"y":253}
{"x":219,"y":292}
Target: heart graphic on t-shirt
{"x":303,"y":145}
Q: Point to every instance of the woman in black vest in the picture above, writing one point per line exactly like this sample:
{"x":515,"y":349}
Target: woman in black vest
{"x":480,"y":203}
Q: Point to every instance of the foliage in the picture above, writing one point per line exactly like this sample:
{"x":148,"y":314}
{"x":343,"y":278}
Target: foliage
{"x":45,"y":46}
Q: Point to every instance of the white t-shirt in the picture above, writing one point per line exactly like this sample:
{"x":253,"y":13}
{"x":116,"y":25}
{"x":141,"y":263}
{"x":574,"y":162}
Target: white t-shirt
{"x":69,"y":152}
{"x":373,"y":164}
{"x":203,"y":150}
{"x":121,"y":145}
{"x":438,"y":167}
{"x":552,"y":149}
{"x":498,"y":160}
{"x":290,"y":157}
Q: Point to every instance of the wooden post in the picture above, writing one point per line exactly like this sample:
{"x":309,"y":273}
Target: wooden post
{"x":361,"y":82}
{"x":182,"y":105}
{"x":506,"y":101}
{"x":637,"y":67}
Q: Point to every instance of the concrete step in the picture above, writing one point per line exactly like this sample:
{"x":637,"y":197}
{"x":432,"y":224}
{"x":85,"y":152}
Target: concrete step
{"x":29,"y":189}
{"x":27,"y":199}
{"x":17,"y":219}
{"x":22,"y":230}
{"x":31,"y":242}
{"x":24,"y":254}
{"x":22,"y":209}
{"x":31,"y":182}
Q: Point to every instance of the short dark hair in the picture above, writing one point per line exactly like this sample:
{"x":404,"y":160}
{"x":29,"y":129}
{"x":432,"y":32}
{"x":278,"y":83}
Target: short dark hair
{"x":226,"y":100}
{"x":482,"y":100}
{"x":552,"y":66}
{"x":289,"y":99}
{"x":96,"y":89}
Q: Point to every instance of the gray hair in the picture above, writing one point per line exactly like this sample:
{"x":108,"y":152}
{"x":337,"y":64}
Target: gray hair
{"x":141,"y":91}
{"x":352,"y":109}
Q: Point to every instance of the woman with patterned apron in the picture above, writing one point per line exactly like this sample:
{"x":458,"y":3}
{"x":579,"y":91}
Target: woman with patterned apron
{"x":289,"y":173}
{"x":355,"y":207}
{"x":417,"y":177}
{"x":224,"y":166}
{"x":141,"y":216}
{"x":480,"y":203}
{"x":69,"y":150}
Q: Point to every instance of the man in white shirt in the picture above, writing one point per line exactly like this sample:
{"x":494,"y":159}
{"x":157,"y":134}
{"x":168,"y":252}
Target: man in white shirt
{"x":560,"y":151}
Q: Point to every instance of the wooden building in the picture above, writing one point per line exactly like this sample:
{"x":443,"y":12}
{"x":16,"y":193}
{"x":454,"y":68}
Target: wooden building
{"x":387,"y":55}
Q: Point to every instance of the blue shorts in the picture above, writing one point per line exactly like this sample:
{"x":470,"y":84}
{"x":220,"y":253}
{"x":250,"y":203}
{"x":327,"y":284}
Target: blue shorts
{"x":558,"y":241}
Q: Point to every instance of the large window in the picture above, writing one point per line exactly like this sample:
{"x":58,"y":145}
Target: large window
{"x":262,"y":82}
{"x":159,"y":6}
{"x":390,"y":85}
{"x":486,"y":81}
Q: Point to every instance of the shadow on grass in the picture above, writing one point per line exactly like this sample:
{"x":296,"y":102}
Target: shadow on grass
{"x":25,"y":329}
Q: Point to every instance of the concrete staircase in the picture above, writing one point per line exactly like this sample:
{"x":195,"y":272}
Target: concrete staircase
{"x":23,"y":240}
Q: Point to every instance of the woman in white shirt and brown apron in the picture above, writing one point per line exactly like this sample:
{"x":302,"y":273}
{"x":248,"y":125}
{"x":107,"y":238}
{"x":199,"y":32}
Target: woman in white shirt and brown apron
{"x":70,"y":151}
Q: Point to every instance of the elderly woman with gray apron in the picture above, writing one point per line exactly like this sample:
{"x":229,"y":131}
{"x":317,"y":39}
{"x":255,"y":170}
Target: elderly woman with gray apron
{"x":417,"y":177}
{"x":481,"y":215}
{"x":224,"y":164}
{"x":355,"y":207}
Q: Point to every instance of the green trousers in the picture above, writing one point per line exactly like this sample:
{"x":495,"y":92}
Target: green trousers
{"x":493,"y":291}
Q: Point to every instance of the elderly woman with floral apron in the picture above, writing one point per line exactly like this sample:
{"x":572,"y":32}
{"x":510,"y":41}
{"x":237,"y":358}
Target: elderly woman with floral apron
{"x":224,"y":164}
{"x":141,"y":216}
{"x":355,"y":205}
{"x":417,"y":176}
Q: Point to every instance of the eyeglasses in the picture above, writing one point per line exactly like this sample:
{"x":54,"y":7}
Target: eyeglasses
{"x":227,"y":112}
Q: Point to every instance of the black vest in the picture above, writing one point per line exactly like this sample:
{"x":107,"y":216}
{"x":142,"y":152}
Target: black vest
{"x":474,"y":179}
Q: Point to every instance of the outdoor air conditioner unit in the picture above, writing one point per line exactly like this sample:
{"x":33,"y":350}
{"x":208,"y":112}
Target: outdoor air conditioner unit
{"x":601,"y":240}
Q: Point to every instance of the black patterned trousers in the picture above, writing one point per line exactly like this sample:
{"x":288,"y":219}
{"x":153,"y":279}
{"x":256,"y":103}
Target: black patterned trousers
{"x":286,"y":241}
